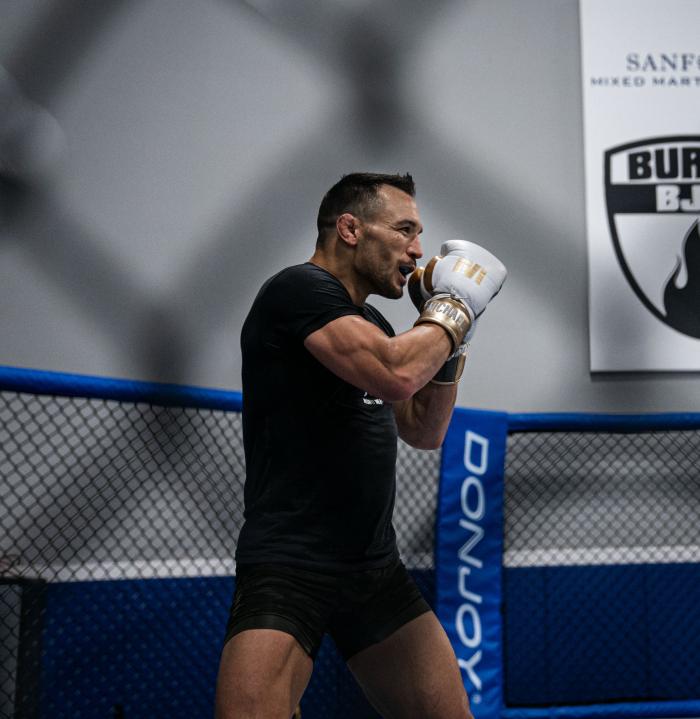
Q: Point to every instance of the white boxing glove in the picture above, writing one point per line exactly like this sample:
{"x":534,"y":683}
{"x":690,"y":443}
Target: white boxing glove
{"x":464,"y":271}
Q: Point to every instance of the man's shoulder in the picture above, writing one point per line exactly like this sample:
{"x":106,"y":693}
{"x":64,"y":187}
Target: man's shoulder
{"x":296,"y":283}
{"x":304,"y":284}
{"x":295,"y":302}
{"x":303,"y":272}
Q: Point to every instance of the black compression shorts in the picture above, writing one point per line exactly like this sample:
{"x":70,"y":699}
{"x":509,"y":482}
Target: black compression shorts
{"x":357,"y":609}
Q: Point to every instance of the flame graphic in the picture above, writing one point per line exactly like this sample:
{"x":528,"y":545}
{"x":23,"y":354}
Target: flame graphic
{"x":683,"y":304}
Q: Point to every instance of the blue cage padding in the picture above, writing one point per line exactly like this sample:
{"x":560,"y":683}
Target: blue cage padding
{"x":89,"y":670}
{"x":531,"y":682}
{"x":610,"y":625}
{"x":31,"y":381}
{"x":106,"y":644}
{"x":623,"y":710}
{"x":571,"y":422}
{"x":469,"y":549}
{"x":634,"y":621}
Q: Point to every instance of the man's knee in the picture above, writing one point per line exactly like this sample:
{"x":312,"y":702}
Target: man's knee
{"x":249,"y":697}
{"x":443,"y":703}
{"x":238,"y":694}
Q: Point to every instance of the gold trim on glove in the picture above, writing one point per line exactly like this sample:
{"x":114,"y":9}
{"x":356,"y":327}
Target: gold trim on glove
{"x":450,"y":314}
{"x":428,"y":277}
{"x":414,"y":288}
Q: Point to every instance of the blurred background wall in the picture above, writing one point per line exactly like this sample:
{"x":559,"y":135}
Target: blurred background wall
{"x":188,"y":146}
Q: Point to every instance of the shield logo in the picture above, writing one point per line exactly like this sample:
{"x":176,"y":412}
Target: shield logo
{"x":652,"y":192}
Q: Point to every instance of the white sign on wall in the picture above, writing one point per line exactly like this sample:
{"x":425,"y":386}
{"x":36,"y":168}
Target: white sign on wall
{"x":641,"y":92}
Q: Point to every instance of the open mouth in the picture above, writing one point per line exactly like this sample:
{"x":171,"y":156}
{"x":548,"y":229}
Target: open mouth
{"x":405,"y":271}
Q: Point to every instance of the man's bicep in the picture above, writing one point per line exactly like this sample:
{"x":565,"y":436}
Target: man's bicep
{"x":355,"y":350}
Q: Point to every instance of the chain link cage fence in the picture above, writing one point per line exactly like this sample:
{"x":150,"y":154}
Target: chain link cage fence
{"x":118,"y":526}
{"x":602,"y":567}
{"x":119,"y":521}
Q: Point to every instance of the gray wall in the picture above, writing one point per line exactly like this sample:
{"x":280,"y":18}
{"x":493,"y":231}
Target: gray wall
{"x":199,"y":137}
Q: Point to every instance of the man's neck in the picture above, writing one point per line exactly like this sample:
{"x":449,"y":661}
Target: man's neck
{"x":342,"y":272}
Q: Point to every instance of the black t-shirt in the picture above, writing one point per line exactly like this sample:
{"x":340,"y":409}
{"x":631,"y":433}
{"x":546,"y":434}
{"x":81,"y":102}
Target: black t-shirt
{"x":320,"y":453}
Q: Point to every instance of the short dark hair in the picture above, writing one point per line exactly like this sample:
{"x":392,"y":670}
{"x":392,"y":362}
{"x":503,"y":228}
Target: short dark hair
{"x":357,"y":193}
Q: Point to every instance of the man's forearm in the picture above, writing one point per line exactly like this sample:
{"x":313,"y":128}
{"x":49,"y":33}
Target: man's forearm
{"x":423,"y":419}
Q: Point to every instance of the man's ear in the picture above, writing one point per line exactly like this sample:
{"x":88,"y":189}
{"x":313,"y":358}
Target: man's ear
{"x":348,"y":227}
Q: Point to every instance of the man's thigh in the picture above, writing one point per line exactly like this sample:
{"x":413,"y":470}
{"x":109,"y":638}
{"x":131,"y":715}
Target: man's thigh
{"x":374,"y":604}
{"x":288,"y":599}
{"x":413,"y":673}
{"x":275,"y":627}
{"x":263,"y":672}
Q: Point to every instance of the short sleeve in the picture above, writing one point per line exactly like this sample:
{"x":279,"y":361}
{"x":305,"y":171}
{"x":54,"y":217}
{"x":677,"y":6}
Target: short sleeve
{"x":373,"y":315}
{"x":304,"y":298}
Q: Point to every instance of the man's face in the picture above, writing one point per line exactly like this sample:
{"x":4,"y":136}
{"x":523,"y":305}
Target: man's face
{"x":388,"y":244}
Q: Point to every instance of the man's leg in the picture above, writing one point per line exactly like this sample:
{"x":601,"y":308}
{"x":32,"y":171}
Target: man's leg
{"x":413,"y":673}
{"x":262,"y":675}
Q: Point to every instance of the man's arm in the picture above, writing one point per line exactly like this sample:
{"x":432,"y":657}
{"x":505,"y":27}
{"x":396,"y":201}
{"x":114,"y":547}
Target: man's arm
{"x":396,"y":369}
{"x":391,"y":368}
{"x":453,"y":291}
{"x":423,"y":419}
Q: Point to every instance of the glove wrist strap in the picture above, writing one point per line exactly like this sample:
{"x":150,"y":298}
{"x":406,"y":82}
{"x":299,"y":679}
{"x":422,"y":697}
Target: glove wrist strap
{"x":450,"y":314}
{"x":451,"y":371}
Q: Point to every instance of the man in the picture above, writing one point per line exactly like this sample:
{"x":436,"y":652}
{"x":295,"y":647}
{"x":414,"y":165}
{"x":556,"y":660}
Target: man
{"x":326,"y":387}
